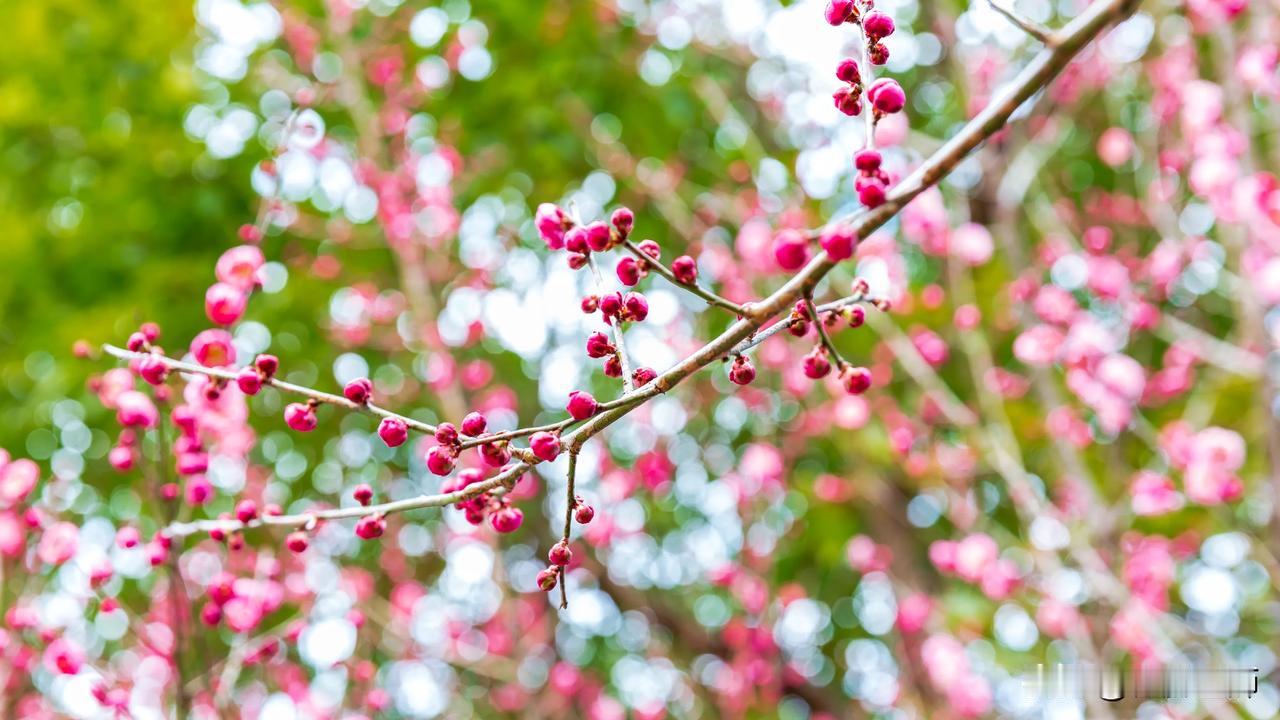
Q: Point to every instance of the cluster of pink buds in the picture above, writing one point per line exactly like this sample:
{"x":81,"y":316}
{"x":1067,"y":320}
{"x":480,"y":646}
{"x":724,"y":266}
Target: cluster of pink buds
{"x":872,"y":182}
{"x":251,"y":378}
{"x":502,"y":515}
{"x":559,"y":231}
{"x":239,"y":273}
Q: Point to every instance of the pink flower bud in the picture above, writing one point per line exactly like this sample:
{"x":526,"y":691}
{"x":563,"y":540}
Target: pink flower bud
{"x":857,"y":380}
{"x":121,"y":458}
{"x":790,"y":249}
{"x":496,"y":454}
{"x":685,"y":269}
{"x":300,"y":417}
{"x":128,"y":537}
{"x":551,"y":222}
{"x":576,"y":241}
{"x":839,"y":11}
{"x":886,"y":95}
{"x":246,"y":510}
{"x":560,"y":554}
{"x":598,"y":345}
{"x":545,"y":445}
{"x":871,"y":195}
{"x":628,"y":271}
{"x":507,"y":519}
{"x":296,"y":541}
{"x":137,"y":342}
{"x":642,"y":376}
{"x":363,"y":494}
{"x":839,"y":242}
{"x":358,"y":391}
{"x":393,"y":431}
{"x":847,"y":71}
{"x":133,"y":409}
{"x":474,"y":424}
{"x":153,"y":370}
{"x":371,"y":527}
{"x":267,"y":365}
{"x":623,"y":220}
{"x":651,"y":249}
{"x":249,"y":380}
{"x":440,"y":460}
{"x":446,"y":434}
{"x":224,"y":304}
{"x":848,"y":101}
{"x":816,"y":364}
{"x":637,"y":307}
{"x":547,"y":579}
{"x":867,"y":160}
{"x":742,"y":372}
{"x":581,"y":405}
{"x":598,"y":237}
{"x":584,"y":514}
{"x":239,"y":267}
{"x":611,"y":304}
{"x":877,"y":25}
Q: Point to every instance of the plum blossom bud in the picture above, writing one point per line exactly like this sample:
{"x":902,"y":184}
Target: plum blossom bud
{"x":393,"y":431}
{"x":224,"y":303}
{"x":877,"y":25}
{"x":857,"y":380}
{"x":137,"y":342}
{"x":358,"y":391}
{"x":249,"y":380}
{"x":584,"y":514}
{"x":637,"y":307}
{"x":560,"y":554}
{"x":816,"y":364}
{"x":239,"y":267}
{"x":867,"y":160}
{"x":545,"y":445}
{"x":133,"y":409}
{"x":576,"y":241}
{"x":128,"y":537}
{"x":581,"y":405}
{"x":153,"y":370}
{"x":742,"y":371}
{"x":685,"y":269}
{"x":839,"y":242}
{"x":446,"y":434}
{"x":439,"y":460}
{"x":547,"y":579}
{"x":267,"y":365}
{"x":474,"y":424}
{"x":598,"y":345}
{"x":551,"y":222}
{"x":246,"y":510}
{"x":847,"y":71}
{"x":886,"y":95}
{"x":611,"y":304}
{"x":651,"y":249}
{"x":296,"y":541}
{"x":623,"y":220}
{"x":300,"y":417}
{"x":848,"y":101}
{"x":363,"y":494}
{"x":371,"y":527}
{"x":598,"y":237}
{"x":790,"y":249}
{"x":839,"y":12}
{"x":507,"y":519}
{"x":121,"y":458}
{"x":496,"y":454}
{"x":628,"y":271}
{"x":642,"y":376}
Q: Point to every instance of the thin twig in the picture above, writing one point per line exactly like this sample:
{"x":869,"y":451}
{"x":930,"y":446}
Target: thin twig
{"x":1029,"y":26}
{"x":666,"y":272}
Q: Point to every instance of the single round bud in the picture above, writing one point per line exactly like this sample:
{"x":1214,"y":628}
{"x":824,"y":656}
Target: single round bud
{"x":598,"y":345}
{"x":847,"y":71}
{"x":560,"y":554}
{"x":551,"y":221}
{"x":848,"y":101}
{"x":857,"y":380}
{"x":623,"y":220}
{"x":839,"y":242}
{"x":545,"y":445}
{"x":867,"y":160}
{"x":153,"y":370}
{"x":358,"y":391}
{"x":547,"y":579}
{"x":598,"y":237}
{"x":628,"y":271}
{"x":886,"y":95}
{"x":447,"y":434}
{"x":507,"y":519}
{"x":393,"y":431}
{"x":296,"y":541}
{"x":224,"y":303}
{"x":576,"y":241}
{"x":790,"y":249}
{"x":839,"y":12}
{"x":246,"y":510}
{"x":651,"y":249}
{"x":742,"y":372}
{"x":363,"y":494}
{"x":584,"y":514}
{"x":371,"y":527}
{"x":249,"y":380}
{"x":642,"y":376}
{"x":685,"y":269}
{"x":440,"y":460}
{"x":474,"y":424}
{"x":637,"y":307}
{"x":611,"y":304}
{"x":300,"y":417}
{"x":581,"y":405}
{"x":877,"y":25}
{"x":137,"y":342}
{"x":267,"y":365}
{"x":816,"y":364}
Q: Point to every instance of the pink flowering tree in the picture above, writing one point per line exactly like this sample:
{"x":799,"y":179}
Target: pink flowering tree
{"x":964,"y":361}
